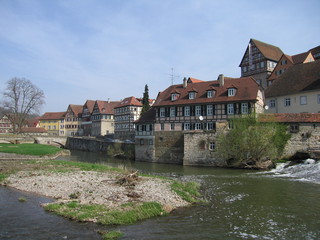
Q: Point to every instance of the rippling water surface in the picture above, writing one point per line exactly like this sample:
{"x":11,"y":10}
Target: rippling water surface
{"x":239,"y":205}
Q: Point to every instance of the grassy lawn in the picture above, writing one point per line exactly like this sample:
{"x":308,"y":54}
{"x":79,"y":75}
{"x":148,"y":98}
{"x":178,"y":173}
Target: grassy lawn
{"x":29,"y":149}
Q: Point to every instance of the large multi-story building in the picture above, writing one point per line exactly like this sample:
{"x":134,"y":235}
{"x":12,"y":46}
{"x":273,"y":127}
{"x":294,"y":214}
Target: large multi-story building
{"x":194,"y":106}
{"x":287,"y":61}
{"x":125,"y":114}
{"x":52,"y":122}
{"x":259,"y":61}
{"x":102,"y":118}
{"x":297,"y":90}
{"x":73,"y":120}
{"x":86,"y":117}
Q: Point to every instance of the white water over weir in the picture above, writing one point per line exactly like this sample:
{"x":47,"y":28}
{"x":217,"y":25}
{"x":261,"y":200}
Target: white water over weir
{"x":308,"y":171}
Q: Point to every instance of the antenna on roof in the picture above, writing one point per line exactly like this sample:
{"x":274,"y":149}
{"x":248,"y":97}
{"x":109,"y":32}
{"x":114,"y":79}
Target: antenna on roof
{"x":173,"y":76}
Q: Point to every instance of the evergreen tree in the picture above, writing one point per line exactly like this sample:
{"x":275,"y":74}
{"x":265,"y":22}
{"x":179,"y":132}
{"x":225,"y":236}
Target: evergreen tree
{"x":145,"y":100}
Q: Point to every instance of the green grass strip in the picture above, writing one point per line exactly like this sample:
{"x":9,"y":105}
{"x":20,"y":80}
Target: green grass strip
{"x":188,"y":191}
{"x":112,"y":235}
{"x":129,"y":214}
{"x":29,"y":149}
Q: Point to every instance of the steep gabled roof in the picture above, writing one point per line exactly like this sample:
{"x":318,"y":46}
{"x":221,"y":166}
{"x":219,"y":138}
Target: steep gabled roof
{"x":53,"y":116}
{"x":129,"y":101}
{"x":90,"y":104}
{"x":269,"y":51}
{"x":298,"y":78}
{"x":247,"y":90}
{"x":76,"y":109}
{"x":106,"y":107}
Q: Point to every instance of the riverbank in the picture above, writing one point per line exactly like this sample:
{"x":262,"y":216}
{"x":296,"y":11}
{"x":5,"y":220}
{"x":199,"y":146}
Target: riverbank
{"x":77,"y":186}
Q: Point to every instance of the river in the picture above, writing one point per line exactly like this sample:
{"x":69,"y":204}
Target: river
{"x":241,"y":204}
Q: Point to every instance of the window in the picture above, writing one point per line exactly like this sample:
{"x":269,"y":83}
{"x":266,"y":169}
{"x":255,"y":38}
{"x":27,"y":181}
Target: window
{"x":287,"y":102}
{"x":209,"y":94}
{"x":172,"y":126}
{"x":172,"y":111}
{"x":186,"y":126}
{"x":198,"y":126}
{"x":212,"y":146}
{"x":209,"y":110}
{"x":244,"y":69}
{"x":211,"y":126}
{"x":162,"y":126}
{"x":272,"y":103}
{"x":244,"y":108}
{"x":261,"y":64}
{"x":230,"y":108}
{"x":283,"y":62}
{"x":192,"y":95}
{"x":294,"y":128}
{"x":174,"y":96}
{"x":141,"y":141}
{"x":303,"y":100}
{"x":231,"y":92}
{"x":150,"y":142}
{"x":187,"y":111}
{"x":198,"y":110}
{"x":162,"y":112}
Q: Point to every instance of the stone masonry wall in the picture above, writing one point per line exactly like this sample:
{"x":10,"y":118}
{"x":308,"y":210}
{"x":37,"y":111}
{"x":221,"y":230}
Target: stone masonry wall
{"x":307,"y":138}
{"x":169,"y":147}
{"x":197,"y":150}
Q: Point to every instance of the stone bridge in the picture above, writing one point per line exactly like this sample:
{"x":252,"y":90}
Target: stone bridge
{"x":48,"y":140}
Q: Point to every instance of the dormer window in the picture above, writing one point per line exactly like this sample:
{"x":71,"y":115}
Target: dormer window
{"x":210,"y":93}
{"x":192,"y":95}
{"x":231,"y":92}
{"x":174,"y":96}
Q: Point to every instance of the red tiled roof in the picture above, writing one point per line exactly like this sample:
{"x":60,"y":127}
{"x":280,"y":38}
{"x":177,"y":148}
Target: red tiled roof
{"x":76,"y":109}
{"x":33,"y":122}
{"x":194,"y":80}
{"x":33,"y":130}
{"x":129,"y":101}
{"x":52,"y":115}
{"x":247,"y":89}
{"x":300,"y":58}
{"x":297,"y":78}
{"x":90,"y":105}
{"x":106,"y":107}
{"x":290,"y":117}
{"x":269,"y":51}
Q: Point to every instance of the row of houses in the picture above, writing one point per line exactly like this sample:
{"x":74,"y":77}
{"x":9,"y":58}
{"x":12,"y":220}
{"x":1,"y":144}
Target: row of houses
{"x":270,"y":82}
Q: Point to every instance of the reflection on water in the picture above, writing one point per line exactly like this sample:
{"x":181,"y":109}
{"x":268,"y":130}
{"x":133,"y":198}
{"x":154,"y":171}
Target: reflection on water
{"x":240,"y":205}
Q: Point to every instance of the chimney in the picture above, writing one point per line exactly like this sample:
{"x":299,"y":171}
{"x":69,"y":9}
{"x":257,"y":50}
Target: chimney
{"x":221,"y":80}
{"x":185,"y":82}
{"x":108,"y":100}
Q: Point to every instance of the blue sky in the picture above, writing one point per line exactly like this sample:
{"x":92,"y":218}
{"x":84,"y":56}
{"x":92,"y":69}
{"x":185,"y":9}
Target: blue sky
{"x":76,"y":50}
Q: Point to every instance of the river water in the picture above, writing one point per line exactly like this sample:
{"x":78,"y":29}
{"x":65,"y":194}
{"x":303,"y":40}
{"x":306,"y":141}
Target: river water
{"x":241,"y":204}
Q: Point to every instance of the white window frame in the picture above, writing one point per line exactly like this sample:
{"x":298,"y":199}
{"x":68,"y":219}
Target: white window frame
{"x":198,"y":111}
{"x":210,"y":94}
{"x":172,"y":126}
{"x":209,"y":110}
{"x":303,"y":100}
{"x":212,"y":146}
{"x":244,"y":108}
{"x":186,"y":126}
{"x":172,"y":111}
{"x":192,"y":95}
{"x":187,"y":111}
{"x":272,"y":103}
{"x":210,"y":126}
{"x":231,"y":92}
{"x":287,"y":102}
{"x":230,"y":109}
{"x":174,"y":96}
{"x":197,"y":126}
{"x":162,"y":112}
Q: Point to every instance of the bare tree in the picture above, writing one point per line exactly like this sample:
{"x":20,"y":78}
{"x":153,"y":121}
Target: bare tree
{"x":20,"y":99}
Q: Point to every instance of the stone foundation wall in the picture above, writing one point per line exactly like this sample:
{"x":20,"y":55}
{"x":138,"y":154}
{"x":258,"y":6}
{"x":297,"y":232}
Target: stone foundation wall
{"x":306,"y":139}
{"x":169,"y":147}
{"x":145,"y":149}
{"x":199,"y":150}
{"x":94,"y":145}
